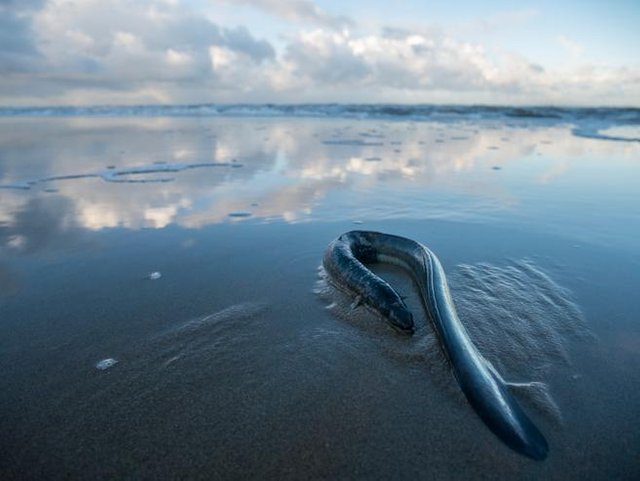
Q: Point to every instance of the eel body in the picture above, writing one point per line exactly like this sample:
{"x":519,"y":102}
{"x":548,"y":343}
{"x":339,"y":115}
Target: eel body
{"x":344,"y":261}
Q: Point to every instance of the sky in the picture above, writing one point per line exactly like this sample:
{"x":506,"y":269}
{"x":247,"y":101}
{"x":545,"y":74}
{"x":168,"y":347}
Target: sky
{"x":96,"y":52}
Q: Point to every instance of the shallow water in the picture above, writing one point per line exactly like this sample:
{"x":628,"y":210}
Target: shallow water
{"x":228,"y":364}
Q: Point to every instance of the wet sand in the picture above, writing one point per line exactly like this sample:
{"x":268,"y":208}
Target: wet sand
{"x":230,"y":365}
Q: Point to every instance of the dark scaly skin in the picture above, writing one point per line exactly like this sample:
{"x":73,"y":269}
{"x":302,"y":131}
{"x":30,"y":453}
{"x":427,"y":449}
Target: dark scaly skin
{"x":485,"y":390}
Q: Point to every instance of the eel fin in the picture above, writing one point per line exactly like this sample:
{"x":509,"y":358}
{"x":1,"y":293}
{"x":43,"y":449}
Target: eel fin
{"x":537,"y":394}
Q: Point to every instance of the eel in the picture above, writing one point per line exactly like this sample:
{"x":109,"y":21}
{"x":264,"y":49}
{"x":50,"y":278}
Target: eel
{"x":344,"y":262}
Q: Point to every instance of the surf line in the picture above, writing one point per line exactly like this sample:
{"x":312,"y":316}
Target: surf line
{"x":344,"y":262}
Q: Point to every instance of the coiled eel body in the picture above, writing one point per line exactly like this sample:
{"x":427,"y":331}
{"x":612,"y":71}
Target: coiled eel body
{"x":485,"y":390}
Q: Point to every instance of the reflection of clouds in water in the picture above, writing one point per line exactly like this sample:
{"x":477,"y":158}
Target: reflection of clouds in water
{"x":287,"y":168}
{"x":96,"y":216}
{"x":288,"y":201}
{"x":41,"y":224}
{"x":553,"y":172}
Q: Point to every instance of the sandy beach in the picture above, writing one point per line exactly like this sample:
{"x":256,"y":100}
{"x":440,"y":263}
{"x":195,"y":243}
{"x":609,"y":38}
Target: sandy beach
{"x":236,"y":361}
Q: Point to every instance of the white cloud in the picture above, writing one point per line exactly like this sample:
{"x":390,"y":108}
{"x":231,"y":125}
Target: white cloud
{"x":571,"y":46}
{"x":299,"y":11}
{"x":18,"y":51}
{"x":124,"y":51}
{"x":125,"y":46}
{"x":412,"y":66}
{"x":401,"y":61}
{"x":177,"y":58}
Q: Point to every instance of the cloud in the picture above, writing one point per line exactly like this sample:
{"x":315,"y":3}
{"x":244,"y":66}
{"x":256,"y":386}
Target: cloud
{"x":21,"y":5}
{"x":40,"y":225}
{"x":572,"y":47}
{"x":120,"y":45}
{"x":160,"y":51}
{"x":299,"y":11}
{"x":103,"y":30}
{"x":407,"y":66}
{"x":395,"y":60}
{"x":18,"y":51}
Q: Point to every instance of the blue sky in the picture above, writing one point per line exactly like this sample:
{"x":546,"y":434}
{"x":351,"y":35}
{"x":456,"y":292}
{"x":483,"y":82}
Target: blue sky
{"x":608,"y":31}
{"x":187,"y":51}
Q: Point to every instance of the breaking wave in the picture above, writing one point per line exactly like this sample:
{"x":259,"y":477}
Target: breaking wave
{"x":586,"y":121}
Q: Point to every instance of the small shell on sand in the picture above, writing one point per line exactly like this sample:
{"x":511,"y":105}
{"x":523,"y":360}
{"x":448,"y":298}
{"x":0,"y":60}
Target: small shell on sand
{"x":106,"y":364}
